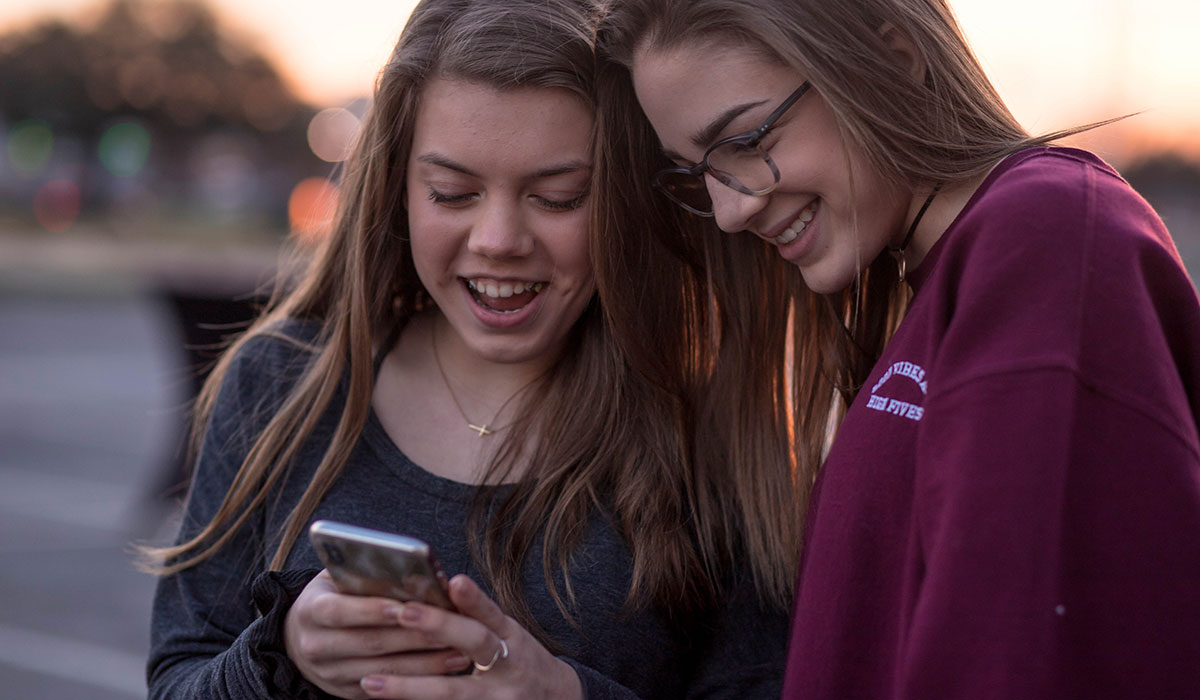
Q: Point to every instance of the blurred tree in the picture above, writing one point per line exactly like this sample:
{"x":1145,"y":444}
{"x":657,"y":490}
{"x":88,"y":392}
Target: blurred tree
{"x":168,"y":65}
{"x":159,"y":118}
{"x":42,"y":74}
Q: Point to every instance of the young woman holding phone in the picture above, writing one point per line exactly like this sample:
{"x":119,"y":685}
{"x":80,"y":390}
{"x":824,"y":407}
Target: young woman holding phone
{"x":445,"y":372}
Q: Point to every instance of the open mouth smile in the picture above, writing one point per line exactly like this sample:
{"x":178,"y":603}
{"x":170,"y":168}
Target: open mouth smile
{"x":795,"y":229}
{"x":503,"y":296}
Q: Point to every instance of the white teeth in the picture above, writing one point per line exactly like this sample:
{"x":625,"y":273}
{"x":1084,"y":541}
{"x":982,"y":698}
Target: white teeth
{"x":503,"y":290}
{"x":797,"y":227}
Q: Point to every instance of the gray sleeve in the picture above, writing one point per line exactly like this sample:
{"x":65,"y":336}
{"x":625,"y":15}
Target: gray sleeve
{"x":207,"y":638}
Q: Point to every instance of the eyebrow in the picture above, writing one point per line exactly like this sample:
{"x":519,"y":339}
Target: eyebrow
{"x":570,"y":166}
{"x":705,"y":136}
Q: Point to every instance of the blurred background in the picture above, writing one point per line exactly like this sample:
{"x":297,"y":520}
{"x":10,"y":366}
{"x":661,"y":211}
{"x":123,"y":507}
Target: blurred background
{"x":159,"y":159}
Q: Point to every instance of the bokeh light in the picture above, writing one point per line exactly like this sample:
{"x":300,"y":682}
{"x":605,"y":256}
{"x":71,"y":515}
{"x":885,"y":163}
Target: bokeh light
{"x":30,"y":144}
{"x":331,"y":134}
{"x":56,"y":205}
{"x":124,"y":149}
{"x":311,"y":208}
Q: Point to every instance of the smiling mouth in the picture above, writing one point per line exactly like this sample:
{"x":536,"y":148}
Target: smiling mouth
{"x":797,"y":227}
{"x":503,"y":297}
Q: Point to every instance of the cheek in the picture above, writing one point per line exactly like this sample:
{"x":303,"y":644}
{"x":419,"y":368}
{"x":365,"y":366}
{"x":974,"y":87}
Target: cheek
{"x":432,"y":248}
{"x":568,"y":247}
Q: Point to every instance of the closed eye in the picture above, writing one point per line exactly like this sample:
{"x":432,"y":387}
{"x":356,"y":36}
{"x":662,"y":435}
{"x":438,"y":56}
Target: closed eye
{"x":739,"y":147}
{"x":450,"y":200}
{"x":677,"y":160}
{"x":560,"y":204}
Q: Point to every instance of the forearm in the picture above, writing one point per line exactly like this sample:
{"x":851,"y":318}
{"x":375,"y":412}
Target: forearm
{"x":213,"y":663}
{"x":231,"y":675}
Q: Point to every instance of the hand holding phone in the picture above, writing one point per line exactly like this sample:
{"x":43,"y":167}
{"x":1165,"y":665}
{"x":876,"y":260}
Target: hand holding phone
{"x":375,"y":563}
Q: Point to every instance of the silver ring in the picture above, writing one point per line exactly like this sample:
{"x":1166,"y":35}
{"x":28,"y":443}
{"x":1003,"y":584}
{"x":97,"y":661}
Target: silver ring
{"x":500,"y":655}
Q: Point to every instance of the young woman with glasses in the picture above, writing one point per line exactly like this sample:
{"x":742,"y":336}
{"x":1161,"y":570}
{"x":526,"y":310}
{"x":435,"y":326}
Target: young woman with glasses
{"x":829,"y":207}
{"x":444,"y":371}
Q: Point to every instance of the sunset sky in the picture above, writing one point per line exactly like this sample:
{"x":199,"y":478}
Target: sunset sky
{"x":1057,"y":62}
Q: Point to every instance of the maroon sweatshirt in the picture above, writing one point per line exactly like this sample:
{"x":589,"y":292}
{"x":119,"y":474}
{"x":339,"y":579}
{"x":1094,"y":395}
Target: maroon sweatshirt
{"x":1011,"y":508}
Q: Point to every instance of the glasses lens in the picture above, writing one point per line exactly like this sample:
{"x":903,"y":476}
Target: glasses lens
{"x":688,"y":190}
{"x":744,"y":168}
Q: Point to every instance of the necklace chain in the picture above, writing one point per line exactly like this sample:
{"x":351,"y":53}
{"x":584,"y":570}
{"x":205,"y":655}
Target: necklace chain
{"x":898,"y":253}
{"x":481,"y":430}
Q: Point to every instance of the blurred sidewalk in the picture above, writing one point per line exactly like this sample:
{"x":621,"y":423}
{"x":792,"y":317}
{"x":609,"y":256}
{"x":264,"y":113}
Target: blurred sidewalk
{"x":93,"y":386}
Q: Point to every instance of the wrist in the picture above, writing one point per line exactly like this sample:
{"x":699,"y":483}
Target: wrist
{"x":569,"y":684}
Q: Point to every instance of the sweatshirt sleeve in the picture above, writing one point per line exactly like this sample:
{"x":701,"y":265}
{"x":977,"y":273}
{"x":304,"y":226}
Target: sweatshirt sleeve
{"x":208,"y":639}
{"x":1062,"y":548}
{"x":1058,"y":483}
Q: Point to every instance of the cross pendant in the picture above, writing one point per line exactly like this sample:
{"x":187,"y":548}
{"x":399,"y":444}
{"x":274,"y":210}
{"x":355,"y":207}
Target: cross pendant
{"x":481,"y":429}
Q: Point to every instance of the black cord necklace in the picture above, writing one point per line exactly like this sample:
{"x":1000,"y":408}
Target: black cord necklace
{"x":898,"y":253}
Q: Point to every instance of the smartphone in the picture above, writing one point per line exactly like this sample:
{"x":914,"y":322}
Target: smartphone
{"x":370,"y":562}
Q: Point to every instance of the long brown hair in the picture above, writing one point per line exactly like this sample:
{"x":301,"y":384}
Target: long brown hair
{"x":774,"y":365}
{"x":607,"y":442}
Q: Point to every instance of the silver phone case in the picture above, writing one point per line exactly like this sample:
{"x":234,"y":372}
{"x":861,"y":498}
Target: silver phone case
{"x":370,"y":562}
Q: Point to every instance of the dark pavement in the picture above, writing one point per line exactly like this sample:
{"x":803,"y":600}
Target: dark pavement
{"x":92,"y":383}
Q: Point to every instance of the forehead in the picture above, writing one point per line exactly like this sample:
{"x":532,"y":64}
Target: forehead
{"x":471,"y":119}
{"x":683,"y":89}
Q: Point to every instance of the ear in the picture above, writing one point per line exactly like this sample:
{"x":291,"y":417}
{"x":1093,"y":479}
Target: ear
{"x":908,"y":57}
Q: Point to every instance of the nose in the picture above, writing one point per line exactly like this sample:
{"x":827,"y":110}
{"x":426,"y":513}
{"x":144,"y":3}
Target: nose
{"x":733,"y":210}
{"x":500,"y":231}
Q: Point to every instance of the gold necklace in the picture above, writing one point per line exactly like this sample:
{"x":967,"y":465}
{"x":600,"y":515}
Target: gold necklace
{"x":482,"y":430}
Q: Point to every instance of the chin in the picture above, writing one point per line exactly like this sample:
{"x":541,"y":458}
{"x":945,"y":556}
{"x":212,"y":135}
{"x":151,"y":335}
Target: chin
{"x":518,"y":349}
{"x":825,"y":281}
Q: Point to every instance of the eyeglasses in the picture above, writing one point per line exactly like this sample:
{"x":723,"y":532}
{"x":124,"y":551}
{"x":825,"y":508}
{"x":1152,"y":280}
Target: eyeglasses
{"x":737,"y":162}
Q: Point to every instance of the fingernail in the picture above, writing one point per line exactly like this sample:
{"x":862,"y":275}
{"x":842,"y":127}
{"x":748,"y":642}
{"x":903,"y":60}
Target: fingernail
{"x":372,"y":684}
{"x":410,"y":613}
{"x":394,"y":611}
{"x":457,"y":661}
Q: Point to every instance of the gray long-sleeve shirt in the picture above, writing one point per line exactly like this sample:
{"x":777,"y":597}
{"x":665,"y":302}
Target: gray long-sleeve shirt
{"x":210,"y":641}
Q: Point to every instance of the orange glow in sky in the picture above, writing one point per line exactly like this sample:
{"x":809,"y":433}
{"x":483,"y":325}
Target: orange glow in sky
{"x":1056,"y":63}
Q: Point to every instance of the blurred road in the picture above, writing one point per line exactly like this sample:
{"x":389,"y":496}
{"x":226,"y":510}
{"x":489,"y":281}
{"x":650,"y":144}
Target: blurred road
{"x":91,"y":392}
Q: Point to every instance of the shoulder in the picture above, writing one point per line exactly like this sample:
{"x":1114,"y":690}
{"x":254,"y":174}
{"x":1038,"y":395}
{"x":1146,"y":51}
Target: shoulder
{"x":1059,"y":263}
{"x":1063,"y":199}
{"x":1050,"y":172}
{"x":280,"y":348}
{"x":1053,"y":220}
{"x":264,"y":365}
